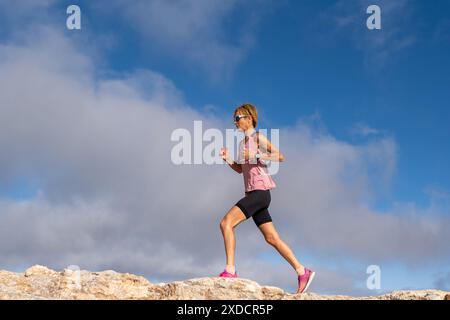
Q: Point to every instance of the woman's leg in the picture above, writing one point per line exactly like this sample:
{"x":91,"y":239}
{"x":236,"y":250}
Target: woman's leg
{"x":227,"y":225}
{"x":272,"y":237}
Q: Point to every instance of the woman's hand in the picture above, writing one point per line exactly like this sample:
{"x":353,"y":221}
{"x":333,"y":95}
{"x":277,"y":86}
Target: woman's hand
{"x":224,"y":154}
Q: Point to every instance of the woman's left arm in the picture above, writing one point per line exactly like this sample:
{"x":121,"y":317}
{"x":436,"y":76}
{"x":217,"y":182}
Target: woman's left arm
{"x":269,"y":152}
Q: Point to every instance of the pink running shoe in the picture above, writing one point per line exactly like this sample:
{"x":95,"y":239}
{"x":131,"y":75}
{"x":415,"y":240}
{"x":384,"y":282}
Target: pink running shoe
{"x":305,"y":280}
{"x":226,"y":274}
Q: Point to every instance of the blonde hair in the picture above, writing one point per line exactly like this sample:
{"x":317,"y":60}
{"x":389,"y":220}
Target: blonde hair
{"x":249,"y":110}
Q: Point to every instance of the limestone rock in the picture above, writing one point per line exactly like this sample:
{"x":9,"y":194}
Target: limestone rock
{"x":40,"y":282}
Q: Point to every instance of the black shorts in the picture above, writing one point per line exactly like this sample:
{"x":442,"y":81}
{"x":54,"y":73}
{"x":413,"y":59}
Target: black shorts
{"x":255,"y":204}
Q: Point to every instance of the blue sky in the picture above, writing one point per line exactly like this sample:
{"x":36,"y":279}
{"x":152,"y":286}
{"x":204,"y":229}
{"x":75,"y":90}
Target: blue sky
{"x":310,"y":62}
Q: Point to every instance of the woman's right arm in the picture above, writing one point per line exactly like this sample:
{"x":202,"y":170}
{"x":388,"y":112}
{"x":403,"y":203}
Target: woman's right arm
{"x":233,"y":164}
{"x":236,"y":167}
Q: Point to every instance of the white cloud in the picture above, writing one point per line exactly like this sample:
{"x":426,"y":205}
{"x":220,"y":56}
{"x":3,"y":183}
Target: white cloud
{"x":364,"y":130}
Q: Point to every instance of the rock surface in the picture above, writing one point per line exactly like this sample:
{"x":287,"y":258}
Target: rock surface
{"x":39,"y":282}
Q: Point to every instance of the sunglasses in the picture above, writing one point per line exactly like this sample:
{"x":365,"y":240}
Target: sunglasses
{"x":239,"y":117}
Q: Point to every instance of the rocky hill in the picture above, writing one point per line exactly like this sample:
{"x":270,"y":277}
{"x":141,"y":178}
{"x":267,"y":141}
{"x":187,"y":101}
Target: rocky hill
{"x":40,"y":282}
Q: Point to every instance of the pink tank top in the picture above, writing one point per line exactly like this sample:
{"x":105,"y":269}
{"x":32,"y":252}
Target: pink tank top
{"x":256,"y":176}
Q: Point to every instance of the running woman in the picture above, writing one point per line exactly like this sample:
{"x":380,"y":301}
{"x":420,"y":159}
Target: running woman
{"x":254,"y":149}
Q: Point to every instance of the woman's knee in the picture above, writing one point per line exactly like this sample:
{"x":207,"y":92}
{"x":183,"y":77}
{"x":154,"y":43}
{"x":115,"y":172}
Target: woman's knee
{"x":225,"y":224}
{"x":272,"y":239}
